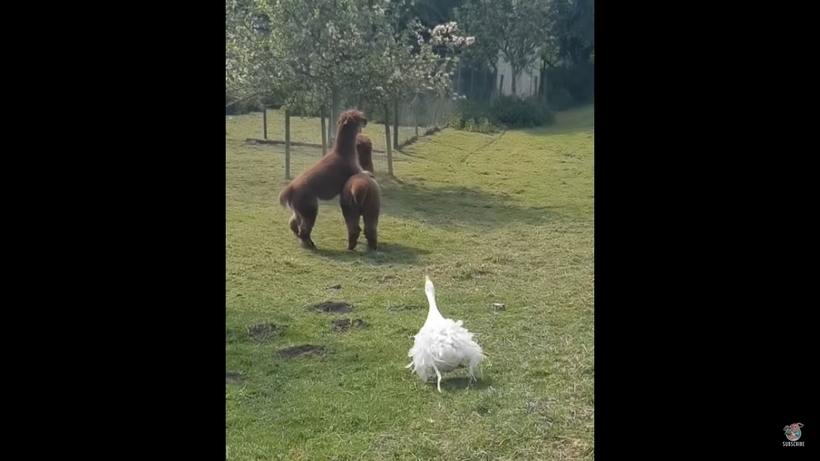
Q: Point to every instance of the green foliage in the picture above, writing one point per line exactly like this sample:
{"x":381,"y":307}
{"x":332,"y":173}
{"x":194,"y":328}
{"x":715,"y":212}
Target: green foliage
{"x":569,"y":86}
{"x":238,"y":106}
{"x":560,"y":99}
{"x":502,"y":112}
{"x":313,"y":52}
{"x":473,"y":116}
{"x":571,"y":37}
{"x":515,"y":28}
{"x":484,"y":126}
{"x":456,"y":121}
{"x":521,"y":113}
{"x":375,"y":117}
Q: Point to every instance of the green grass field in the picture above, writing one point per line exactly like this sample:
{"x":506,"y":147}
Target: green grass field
{"x":492,"y":219}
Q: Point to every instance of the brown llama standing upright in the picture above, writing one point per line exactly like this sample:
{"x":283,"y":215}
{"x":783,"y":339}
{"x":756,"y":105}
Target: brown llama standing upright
{"x":325,"y":179}
{"x":361,"y":197}
{"x":364,"y":147}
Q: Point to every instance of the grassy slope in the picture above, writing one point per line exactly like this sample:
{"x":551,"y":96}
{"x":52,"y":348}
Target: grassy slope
{"x":491,"y":219}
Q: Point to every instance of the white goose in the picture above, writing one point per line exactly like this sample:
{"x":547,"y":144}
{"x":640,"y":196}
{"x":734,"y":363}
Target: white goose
{"x":442,"y":344}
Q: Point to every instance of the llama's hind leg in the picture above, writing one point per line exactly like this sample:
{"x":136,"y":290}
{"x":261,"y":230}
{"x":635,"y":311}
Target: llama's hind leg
{"x":351,"y":215}
{"x":307,"y":210}
{"x":371,"y":227}
{"x":294,"y":224}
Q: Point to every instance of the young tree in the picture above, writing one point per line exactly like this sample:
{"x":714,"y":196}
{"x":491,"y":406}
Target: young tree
{"x":243,"y":48}
{"x":253,"y":66}
{"x":572,"y":30}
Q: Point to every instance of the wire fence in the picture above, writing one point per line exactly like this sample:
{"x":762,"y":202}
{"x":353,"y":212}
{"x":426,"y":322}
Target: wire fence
{"x":301,"y":138}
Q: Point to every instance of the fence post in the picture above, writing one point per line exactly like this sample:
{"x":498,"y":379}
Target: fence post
{"x":324,"y":132}
{"x":416,"y":122}
{"x":287,"y":144}
{"x":396,"y":124}
{"x":334,"y":107}
{"x":472,"y":76}
{"x":435,"y":113}
{"x":264,"y":123}
{"x":387,"y":139}
{"x":458,"y":78}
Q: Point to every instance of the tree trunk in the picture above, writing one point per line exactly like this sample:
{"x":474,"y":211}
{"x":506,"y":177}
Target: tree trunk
{"x":329,"y":114}
{"x":287,"y":144}
{"x":334,"y":115}
{"x":458,"y":78}
{"x":512,"y":81}
{"x":324,"y":131}
{"x":416,"y":113}
{"x":396,"y":124}
{"x":264,"y":123}
{"x":387,"y":139}
{"x":472,"y":76}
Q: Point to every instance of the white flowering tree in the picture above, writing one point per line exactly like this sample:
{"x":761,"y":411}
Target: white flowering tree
{"x":405,"y":64}
{"x":252,"y":63}
{"x":317,"y":51}
{"x":243,"y":66}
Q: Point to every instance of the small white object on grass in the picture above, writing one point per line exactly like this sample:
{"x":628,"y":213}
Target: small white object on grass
{"x":442,"y":344}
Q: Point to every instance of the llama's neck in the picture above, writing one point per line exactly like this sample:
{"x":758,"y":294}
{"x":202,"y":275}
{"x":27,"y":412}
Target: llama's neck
{"x":346,"y":139}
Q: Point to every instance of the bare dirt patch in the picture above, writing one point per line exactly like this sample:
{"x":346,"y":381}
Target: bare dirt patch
{"x":263,"y":331}
{"x":299,"y":351}
{"x":346,"y":324}
{"x":232,"y":377}
{"x":332,"y":307}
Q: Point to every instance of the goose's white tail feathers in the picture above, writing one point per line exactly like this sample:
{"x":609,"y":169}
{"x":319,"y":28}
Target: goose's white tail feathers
{"x":448,"y":345}
{"x":442,"y":344}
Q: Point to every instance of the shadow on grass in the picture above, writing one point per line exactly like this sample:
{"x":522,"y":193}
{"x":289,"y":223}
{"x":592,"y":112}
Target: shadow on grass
{"x":560,"y":130}
{"x":576,"y":120}
{"x":448,"y":205}
{"x":388,"y":253}
{"x":460,"y":384}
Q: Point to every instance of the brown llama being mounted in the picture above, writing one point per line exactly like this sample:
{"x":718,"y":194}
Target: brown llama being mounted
{"x":364,"y":147}
{"x":361,"y":198}
{"x":325,"y":179}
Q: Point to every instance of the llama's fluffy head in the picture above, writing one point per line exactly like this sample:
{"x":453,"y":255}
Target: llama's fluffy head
{"x":363,"y":141}
{"x":353,"y":116}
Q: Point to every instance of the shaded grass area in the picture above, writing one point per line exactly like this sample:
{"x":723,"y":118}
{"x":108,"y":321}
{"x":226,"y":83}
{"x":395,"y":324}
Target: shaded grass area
{"x":492,"y":219}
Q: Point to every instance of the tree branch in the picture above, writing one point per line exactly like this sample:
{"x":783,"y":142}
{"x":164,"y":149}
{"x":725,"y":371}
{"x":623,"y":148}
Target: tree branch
{"x":243,"y":99}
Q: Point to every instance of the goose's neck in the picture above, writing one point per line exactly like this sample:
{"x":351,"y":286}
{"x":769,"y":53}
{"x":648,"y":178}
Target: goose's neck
{"x":433,"y":313}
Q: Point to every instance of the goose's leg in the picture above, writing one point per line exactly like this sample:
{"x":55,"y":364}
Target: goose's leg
{"x":439,"y":377}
